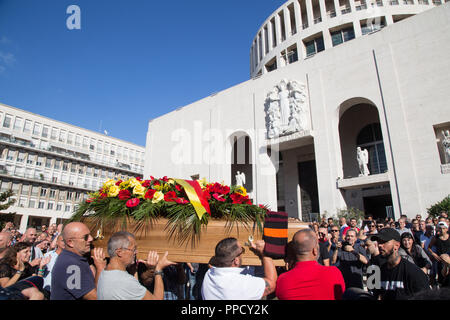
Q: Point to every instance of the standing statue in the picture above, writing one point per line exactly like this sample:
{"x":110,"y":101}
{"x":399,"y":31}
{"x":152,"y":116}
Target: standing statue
{"x":284,"y":104}
{"x":446,"y":145}
{"x":240,"y":179}
{"x":362,"y":155}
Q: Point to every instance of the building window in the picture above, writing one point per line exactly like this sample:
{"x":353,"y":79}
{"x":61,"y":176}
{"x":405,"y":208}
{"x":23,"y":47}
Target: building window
{"x":374,"y":25}
{"x":52,"y":194}
{"x":341,"y":36}
{"x":43,"y":192}
{"x":59,"y":206}
{"x":7,"y":121}
{"x":62,"y":136}
{"x":50,"y":205}
{"x":41,"y":204}
{"x":371,"y":138}
{"x":37,"y":129}
{"x":54,"y":134}
{"x":18,"y":123}
{"x":314,"y":46}
{"x":45,"y":130}
{"x":11,"y":154}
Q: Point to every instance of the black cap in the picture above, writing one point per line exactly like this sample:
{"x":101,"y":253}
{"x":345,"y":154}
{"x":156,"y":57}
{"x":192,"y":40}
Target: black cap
{"x":386,"y":234}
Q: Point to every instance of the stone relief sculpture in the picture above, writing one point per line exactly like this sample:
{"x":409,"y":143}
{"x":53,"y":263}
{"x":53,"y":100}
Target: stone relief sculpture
{"x":446,"y":145}
{"x":362,"y":156}
{"x":286,"y":109}
{"x":240,"y":179}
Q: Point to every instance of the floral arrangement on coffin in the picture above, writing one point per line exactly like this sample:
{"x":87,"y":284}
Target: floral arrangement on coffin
{"x":187,"y":205}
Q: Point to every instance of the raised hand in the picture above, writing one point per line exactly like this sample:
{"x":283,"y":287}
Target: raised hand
{"x":99,"y":258}
{"x":44,"y":261}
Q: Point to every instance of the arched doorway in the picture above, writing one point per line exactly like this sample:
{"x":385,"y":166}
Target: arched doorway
{"x":359,"y":126}
{"x":241,"y":160}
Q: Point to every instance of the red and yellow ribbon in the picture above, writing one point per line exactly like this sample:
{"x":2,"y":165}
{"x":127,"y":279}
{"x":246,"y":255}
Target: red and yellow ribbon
{"x":195,"y":195}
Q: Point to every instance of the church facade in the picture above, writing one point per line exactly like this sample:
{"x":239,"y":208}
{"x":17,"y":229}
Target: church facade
{"x":358,"y":124}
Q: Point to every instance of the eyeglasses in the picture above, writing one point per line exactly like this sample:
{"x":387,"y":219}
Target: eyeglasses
{"x":322,"y":234}
{"x":241,"y":253}
{"x":371,"y":226}
{"x":334,"y":230}
{"x":85,"y":237}
{"x":132,"y":250}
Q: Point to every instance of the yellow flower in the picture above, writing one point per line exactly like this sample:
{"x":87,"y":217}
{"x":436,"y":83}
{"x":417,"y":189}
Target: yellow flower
{"x":203,"y":183}
{"x":109,"y":183}
{"x":157,"y":197}
{"x":134,"y":182}
{"x":113,"y":191}
{"x":242,"y":191}
{"x":124,"y":184}
{"x":139,"y":190}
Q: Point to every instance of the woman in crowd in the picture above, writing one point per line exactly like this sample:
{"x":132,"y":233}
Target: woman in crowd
{"x":413,"y":252}
{"x":15,"y":266}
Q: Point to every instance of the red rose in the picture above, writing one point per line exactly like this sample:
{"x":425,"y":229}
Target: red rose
{"x":170,"y":196}
{"x":103,"y":195}
{"x":132,"y":203}
{"x":124,"y":195}
{"x":149,"y":194}
{"x":138,"y":178}
{"x":165,"y":179}
{"x":238,"y":198}
{"x":119,"y":182}
{"x":146,"y":183}
{"x":178,"y":187}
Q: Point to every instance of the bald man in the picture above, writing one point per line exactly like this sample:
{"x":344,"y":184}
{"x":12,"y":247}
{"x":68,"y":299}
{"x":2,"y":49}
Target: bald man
{"x":309,"y":280}
{"x":72,"y":278}
{"x":5,"y":242}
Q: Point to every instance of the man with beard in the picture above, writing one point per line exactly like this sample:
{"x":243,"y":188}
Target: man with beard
{"x":400,"y":279}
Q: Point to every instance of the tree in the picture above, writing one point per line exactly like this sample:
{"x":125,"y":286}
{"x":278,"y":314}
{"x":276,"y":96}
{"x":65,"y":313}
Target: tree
{"x":443,"y":205}
{"x":5,"y":197}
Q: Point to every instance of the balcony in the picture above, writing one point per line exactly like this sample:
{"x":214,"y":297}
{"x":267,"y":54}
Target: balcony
{"x":363,"y":182}
{"x":61,"y":150}
{"x":41,"y":179}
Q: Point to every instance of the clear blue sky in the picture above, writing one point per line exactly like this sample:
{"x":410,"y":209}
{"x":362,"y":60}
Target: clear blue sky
{"x":132,"y":60}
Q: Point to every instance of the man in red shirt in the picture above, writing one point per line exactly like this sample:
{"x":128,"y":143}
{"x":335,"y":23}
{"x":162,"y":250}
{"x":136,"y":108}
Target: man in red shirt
{"x":309,"y":280}
{"x":351,"y":226}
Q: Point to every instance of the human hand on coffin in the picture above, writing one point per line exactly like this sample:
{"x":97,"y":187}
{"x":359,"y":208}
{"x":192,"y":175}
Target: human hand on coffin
{"x":258,"y":247}
{"x":164,"y":262}
{"x":99,"y":258}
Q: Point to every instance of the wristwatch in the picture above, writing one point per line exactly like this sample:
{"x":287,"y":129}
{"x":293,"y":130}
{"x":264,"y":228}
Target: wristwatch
{"x":160,"y":273}
{"x":19,"y":272}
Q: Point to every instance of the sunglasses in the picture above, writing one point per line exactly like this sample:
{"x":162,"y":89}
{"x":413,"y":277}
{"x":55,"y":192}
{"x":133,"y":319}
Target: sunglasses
{"x":334,"y":230}
{"x":85,"y":237}
{"x":242,"y":252}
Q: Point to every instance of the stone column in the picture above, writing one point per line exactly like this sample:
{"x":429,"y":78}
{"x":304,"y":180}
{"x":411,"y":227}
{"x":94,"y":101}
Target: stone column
{"x":323,"y":10}
{"x":269,"y":35}
{"x":298,"y":16}
{"x":287,"y":22}
{"x":337,"y":8}
{"x":309,"y":13}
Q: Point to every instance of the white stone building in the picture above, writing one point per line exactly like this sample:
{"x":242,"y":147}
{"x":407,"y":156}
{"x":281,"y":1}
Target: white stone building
{"x":327,"y":77}
{"x":52,"y":165}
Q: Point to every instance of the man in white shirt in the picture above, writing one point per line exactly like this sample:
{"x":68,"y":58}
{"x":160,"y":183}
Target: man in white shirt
{"x":227,"y":280}
{"x":115,"y":283}
{"x":53,"y":254}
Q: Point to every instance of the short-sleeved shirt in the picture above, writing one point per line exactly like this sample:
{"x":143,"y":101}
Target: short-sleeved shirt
{"x":232,"y":284}
{"x":119,"y":285}
{"x":72,"y":277}
{"x":48,"y":269}
{"x":309,"y":280}
{"x":402,"y":281}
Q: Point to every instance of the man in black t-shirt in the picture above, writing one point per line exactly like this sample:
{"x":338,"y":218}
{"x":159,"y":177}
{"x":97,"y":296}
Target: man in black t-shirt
{"x":324,"y":256}
{"x":400,"y":279}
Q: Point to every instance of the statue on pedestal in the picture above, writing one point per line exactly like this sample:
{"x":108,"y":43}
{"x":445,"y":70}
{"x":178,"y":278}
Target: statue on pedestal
{"x":362,"y":155}
{"x":446,"y":145}
{"x":240,"y":179}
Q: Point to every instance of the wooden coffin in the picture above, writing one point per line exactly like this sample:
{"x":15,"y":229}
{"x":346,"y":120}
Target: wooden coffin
{"x":201,"y":252}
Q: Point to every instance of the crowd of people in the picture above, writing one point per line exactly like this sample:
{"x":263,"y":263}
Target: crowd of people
{"x":330,"y":260}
